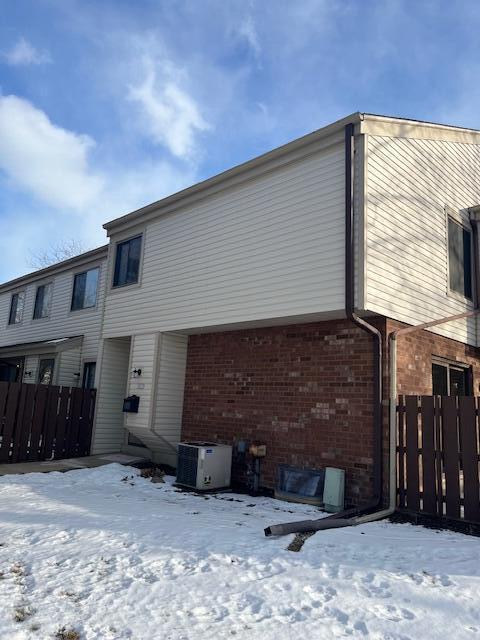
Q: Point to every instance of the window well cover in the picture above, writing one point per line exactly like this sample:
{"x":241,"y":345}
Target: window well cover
{"x":300,"y":485}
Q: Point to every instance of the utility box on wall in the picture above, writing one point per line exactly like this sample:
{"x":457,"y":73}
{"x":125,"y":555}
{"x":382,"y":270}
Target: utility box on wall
{"x":130,"y":404}
{"x":334,"y":490}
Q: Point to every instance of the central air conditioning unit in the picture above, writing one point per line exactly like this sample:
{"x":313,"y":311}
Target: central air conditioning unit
{"x":204,"y":465}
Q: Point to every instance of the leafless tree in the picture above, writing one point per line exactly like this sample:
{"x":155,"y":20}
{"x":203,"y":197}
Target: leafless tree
{"x":56,"y":253}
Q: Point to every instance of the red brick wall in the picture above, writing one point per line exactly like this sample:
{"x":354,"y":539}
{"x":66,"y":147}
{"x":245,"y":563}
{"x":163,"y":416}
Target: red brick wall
{"x":414,"y":359}
{"x":304,"y":390}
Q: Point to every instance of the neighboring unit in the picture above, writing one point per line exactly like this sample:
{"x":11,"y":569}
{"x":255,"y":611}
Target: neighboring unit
{"x":51,"y":323}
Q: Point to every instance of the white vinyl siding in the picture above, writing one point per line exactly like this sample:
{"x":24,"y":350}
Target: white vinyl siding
{"x":169,"y":393}
{"x":67,"y":366}
{"x":109,"y":428}
{"x":143,"y":356}
{"x":268,"y":248}
{"x":412,"y":187}
{"x":31,"y":366}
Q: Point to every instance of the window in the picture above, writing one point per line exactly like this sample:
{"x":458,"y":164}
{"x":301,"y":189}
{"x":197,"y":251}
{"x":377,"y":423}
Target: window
{"x":11,"y":370}
{"x":43,"y":301}
{"x":85,"y":290}
{"x":451,"y":379}
{"x":45,"y":371}
{"x":127,"y":262}
{"x":16,"y":308}
{"x":89,"y":375}
{"x":460,"y":258}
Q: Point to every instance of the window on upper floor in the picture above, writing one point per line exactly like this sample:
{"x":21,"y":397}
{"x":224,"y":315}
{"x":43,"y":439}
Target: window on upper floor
{"x":459,"y":258}
{"x":43,"y":301}
{"x":127,"y":262}
{"x":85,"y":286}
{"x":17,"y":305}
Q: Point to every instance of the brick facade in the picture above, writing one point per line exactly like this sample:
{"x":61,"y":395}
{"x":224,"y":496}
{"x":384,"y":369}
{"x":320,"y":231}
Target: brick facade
{"x":304,"y":390}
{"x":414,"y":359}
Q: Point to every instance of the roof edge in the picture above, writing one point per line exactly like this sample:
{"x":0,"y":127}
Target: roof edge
{"x":58,"y":267}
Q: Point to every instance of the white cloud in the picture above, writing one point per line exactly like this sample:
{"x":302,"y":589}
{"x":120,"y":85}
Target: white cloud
{"x":248,"y":31}
{"x":49,"y":162}
{"x":168,"y":113}
{"x":24,"y":53}
{"x":72,"y":196}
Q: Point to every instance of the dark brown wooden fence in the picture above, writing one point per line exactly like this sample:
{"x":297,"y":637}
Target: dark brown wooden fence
{"x":39,"y":422}
{"x":438,"y":457}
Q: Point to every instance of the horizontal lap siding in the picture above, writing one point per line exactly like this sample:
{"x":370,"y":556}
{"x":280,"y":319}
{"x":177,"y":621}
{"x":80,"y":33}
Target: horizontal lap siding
{"x":410,"y":185}
{"x":31,"y":365}
{"x":170,"y":391}
{"x":62,"y":322}
{"x":271,"y":247}
{"x":143,"y":356}
{"x":109,"y":431}
{"x":69,"y":369}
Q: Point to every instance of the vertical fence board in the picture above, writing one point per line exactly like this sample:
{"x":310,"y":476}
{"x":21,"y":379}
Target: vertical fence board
{"x":451,"y":456}
{"x":86,"y":423}
{"x":469,"y":451}
{"x":3,"y":401}
{"x":429,"y":504}
{"x":62,"y":424}
{"x":438,"y":454}
{"x":413,"y":489}
{"x":38,"y":422}
{"x":401,"y":452}
{"x":11,"y":410}
{"x":76,"y":400}
{"x":50,"y":424}
{"x":23,"y":425}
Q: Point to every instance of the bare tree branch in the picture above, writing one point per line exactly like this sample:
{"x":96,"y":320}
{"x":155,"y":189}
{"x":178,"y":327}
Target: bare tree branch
{"x":56,"y":253}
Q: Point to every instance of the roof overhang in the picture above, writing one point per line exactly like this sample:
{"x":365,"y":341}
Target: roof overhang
{"x":37,"y":348}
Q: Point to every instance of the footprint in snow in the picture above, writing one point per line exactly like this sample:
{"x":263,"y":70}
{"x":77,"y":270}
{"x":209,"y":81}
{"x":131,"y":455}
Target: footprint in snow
{"x":319,"y":595}
{"x":393,"y":613}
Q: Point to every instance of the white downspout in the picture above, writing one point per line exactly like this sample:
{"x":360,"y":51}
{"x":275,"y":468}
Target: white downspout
{"x":392,"y":433}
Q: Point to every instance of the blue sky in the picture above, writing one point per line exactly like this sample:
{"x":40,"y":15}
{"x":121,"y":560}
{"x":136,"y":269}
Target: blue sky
{"x":108,"y":105}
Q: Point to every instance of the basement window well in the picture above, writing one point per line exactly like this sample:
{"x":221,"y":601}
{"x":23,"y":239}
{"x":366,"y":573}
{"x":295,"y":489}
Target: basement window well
{"x":300,"y":485}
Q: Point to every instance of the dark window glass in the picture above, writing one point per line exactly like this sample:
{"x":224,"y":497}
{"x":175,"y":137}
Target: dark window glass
{"x":460,"y":259}
{"x":440,"y":380}
{"x":45,"y":371}
{"x":11,"y":370}
{"x":43,"y":301}
{"x":458,"y":382}
{"x":85,"y":290}
{"x":127,"y":262}
{"x":89,"y":375}
{"x":16,"y":308}
{"x":449,"y":380}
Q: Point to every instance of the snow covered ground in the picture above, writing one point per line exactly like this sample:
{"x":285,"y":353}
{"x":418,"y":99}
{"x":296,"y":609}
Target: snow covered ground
{"x":114,"y":557}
